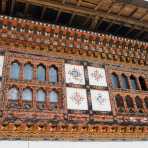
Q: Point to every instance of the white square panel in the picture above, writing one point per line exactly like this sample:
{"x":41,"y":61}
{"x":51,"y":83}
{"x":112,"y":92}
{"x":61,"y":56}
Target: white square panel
{"x":74,"y":74}
{"x":100,"y":100}
{"x":1,"y":64}
{"x":97,"y":76}
{"x":76,"y":99}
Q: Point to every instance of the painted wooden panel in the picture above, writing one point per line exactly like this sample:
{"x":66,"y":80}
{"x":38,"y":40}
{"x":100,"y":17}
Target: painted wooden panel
{"x":100,"y":100}
{"x":74,"y":74}
{"x":76,"y":99}
{"x":1,"y":64}
{"x":97,"y":76}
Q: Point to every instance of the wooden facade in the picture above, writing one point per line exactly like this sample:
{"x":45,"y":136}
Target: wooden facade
{"x":29,"y":42}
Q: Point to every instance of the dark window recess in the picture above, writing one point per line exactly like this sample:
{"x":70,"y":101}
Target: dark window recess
{"x":124,"y":82}
{"x":142,"y":83}
{"x":130,"y":104}
{"x":138,"y":102}
{"x":133,"y":83}
{"x":146,"y":102}
{"x":115,"y":81}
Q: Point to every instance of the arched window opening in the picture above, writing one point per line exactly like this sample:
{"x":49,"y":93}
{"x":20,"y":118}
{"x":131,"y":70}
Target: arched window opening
{"x":146,"y":102}
{"x":15,"y":71}
{"x":27,"y":94}
{"x":28,"y":72}
{"x":120,"y":103}
{"x":124,"y":82}
{"x":53,"y":99}
{"x":41,"y":95}
{"x":139,"y":104}
{"x":53,"y":74}
{"x":13,"y":94}
{"x":53,"y":96}
{"x":115,"y":81}
{"x":130,"y":104}
{"x":41,"y":73}
{"x":133,"y":83}
{"x":142,"y":83}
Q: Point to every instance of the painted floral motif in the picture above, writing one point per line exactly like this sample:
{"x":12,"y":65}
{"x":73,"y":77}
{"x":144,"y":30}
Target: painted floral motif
{"x":74,"y":74}
{"x":97,"y":76}
{"x":100,"y":100}
{"x":77,"y":98}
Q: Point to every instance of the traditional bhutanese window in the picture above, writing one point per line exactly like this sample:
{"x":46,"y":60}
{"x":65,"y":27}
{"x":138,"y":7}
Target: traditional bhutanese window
{"x":130,"y":104}
{"x":115,"y":81}
{"x":53,"y":74}
{"x":13,"y":94}
{"x":124,"y":82}
{"x":15,"y":71}
{"x":53,"y":99}
{"x":27,"y":94}
{"x":146,"y":102}
{"x":142,"y":83}
{"x":133,"y":82}
{"x":41,"y":95}
{"x":139,"y":104}
{"x":28,"y":72}
{"x":120,"y":103}
{"x":41,"y":73}
{"x":53,"y":96}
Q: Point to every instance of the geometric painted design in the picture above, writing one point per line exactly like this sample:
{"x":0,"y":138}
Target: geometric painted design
{"x":74,"y":74}
{"x":100,"y":100}
{"x":97,"y":76}
{"x":76,"y":98}
{"x":1,"y":64}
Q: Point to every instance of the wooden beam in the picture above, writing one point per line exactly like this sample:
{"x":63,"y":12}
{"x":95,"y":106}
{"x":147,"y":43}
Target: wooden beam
{"x":63,"y":2}
{"x":110,"y":7}
{"x":71,"y":19}
{"x":99,"y":4}
{"x":43,"y":12}
{"x":3,"y":7}
{"x":94,"y":23}
{"x":12,"y":6}
{"x":85,"y":11}
{"x":86,"y":21}
{"x":123,"y":6}
{"x":58,"y":16}
{"x":140,"y":33}
{"x":100,"y":22}
{"x":116,"y":31}
{"x":141,"y":19}
{"x":26,"y":9}
{"x":129,"y":31}
{"x":79,"y":2}
{"x":109,"y":26}
{"x":134,"y":11}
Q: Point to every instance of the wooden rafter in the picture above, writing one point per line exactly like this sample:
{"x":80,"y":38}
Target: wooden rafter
{"x":3,"y":7}
{"x":99,"y":4}
{"x":58,"y":15}
{"x":43,"y":12}
{"x":94,"y":23}
{"x":85,"y":11}
{"x":133,"y":12}
{"x":12,"y":6}
{"x":140,"y":33}
{"x":71,"y":19}
{"x":26,"y":9}
{"x":129,"y":31}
